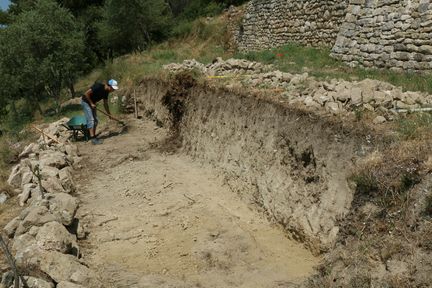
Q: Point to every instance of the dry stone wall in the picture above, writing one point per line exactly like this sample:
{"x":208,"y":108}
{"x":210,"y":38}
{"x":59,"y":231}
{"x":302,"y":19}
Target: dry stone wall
{"x":272,"y":23}
{"x":43,"y":238}
{"x":387,"y":34}
{"x":390,"y":34}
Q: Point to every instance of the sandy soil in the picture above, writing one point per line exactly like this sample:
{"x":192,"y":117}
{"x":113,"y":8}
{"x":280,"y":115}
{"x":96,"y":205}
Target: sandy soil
{"x":161,"y":220}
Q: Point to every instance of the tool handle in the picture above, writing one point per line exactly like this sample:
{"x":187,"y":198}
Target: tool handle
{"x":112,"y":117}
{"x":45,"y":134}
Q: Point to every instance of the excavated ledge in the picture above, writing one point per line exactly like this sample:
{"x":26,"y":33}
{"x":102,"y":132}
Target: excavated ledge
{"x":292,"y":163}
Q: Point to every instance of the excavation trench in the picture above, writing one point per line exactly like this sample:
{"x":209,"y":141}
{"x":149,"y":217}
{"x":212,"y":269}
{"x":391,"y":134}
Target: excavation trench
{"x":292,"y":163}
{"x":245,"y":197}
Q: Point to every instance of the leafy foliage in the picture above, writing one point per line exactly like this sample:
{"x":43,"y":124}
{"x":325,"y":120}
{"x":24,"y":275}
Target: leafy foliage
{"x":133,"y":25}
{"x":19,"y":6}
{"x":4,"y":18}
{"x":45,"y":44}
{"x":191,"y":9}
{"x":40,"y":53}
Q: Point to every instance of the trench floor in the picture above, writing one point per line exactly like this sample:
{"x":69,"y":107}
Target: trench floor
{"x":157,"y":219}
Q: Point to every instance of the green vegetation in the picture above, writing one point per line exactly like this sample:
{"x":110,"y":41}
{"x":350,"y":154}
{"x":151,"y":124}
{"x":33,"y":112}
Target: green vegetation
{"x":133,"y":25}
{"x":388,"y":175}
{"x":317,"y":62}
{"x":204,"y":42}
{"x":386,"y":194}
{"x":45,"y":45}
{"x":45,"y":48}
{"x":6,"y":156}
{"x":417,"y":125}
{"x":60,"y":41}
{"x":366,"y":184}
{"x":41,"y":53}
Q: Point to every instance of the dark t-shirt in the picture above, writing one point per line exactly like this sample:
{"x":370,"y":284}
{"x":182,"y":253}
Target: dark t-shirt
{"x":98,"y":93}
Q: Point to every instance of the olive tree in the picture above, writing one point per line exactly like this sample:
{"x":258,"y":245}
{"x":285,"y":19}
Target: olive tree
{"x":41,"y":52}
{"x":133,"y":25}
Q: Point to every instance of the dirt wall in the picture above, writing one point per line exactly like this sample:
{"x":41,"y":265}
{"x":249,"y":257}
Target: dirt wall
{"x":292,"y":164}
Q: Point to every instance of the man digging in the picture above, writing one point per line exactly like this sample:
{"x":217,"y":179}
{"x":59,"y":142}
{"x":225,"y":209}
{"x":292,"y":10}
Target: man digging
{"x":89,"y":100}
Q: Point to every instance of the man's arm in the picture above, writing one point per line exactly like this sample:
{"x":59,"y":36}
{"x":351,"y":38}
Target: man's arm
{"x":106,"y":106}
{"x":87,"y":94}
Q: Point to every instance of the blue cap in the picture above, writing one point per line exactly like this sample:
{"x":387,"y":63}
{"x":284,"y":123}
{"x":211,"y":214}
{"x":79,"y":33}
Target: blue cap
{"x":113,"y":83}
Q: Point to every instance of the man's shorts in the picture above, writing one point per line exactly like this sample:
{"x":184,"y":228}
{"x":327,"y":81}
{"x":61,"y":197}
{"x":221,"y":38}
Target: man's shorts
{"x":90,"y":115}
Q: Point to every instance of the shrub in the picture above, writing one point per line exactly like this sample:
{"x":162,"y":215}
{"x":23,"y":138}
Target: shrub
{"x":213,"y":9}
{"x":387,"y":176}
{"x":18,"y":114}
{"x":182,"y":29}
{"x":408,"y":181}
{"x":366,"y":184}
{"x":165,"y":55}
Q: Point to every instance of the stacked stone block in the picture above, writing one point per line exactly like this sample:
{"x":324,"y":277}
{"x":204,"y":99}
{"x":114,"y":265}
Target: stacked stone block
{"x":388,"y":34}
{"x":271,"y":23}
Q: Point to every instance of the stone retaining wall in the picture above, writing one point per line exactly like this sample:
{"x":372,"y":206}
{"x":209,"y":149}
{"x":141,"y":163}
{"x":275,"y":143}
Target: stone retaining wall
{"x":272,"y":23}
{"x":387,"y":34}
{"x":43,"y":238}
{"x":390,"y":34}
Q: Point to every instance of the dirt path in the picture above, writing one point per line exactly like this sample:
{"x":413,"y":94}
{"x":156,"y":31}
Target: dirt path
{"x":158,"y":220}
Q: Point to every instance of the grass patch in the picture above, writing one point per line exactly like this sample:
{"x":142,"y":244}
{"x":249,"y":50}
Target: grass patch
{"x":415,"y":126}
{"x":182,"y":29}
{"x":205,"y":39}
{"x":294,"y":58}
{"x":201,"y":39}
{"x":366,"y":184}
{"x":387,"y":176}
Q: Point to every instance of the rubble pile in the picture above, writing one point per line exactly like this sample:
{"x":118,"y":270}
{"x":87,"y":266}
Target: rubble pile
{"x":334,"y":96}
{"x":220,"y":67}
{"x":44,"y":236}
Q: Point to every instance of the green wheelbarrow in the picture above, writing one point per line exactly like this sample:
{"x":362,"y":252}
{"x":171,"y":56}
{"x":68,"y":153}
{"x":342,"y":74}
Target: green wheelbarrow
{"x":77,"y":124}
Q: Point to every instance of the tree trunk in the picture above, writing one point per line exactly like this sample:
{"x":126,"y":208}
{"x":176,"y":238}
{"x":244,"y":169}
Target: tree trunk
{"x":39,"y":108}
{"x":55,"y":94}
{"x":72,"y":90}
{"x":33,"y":100}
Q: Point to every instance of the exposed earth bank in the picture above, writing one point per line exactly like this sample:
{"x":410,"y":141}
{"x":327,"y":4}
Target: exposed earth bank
{"x":340,"y":184}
